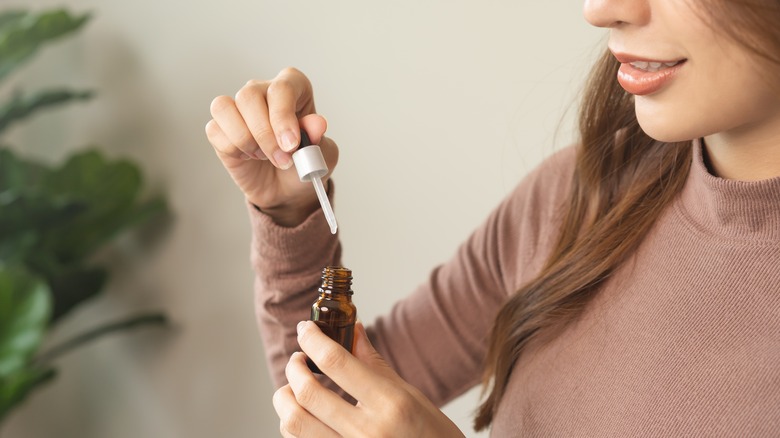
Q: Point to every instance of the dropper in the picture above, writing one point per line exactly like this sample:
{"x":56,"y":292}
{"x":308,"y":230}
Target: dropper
{"x":311,"y":166}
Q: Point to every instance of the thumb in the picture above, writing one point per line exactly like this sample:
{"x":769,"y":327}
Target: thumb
{"x":315,"y":126}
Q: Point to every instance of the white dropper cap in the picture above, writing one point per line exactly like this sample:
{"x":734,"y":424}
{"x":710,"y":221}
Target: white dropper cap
{"x":311,"y":166}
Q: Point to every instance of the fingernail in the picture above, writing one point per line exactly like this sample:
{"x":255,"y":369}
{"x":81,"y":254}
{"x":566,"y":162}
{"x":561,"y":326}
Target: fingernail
{"x":283,"y":160}
{"x":300,"y":326}
{"x":289,"y":141}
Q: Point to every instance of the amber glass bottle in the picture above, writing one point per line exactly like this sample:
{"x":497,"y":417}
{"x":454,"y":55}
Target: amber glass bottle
{"x":333,"y":311}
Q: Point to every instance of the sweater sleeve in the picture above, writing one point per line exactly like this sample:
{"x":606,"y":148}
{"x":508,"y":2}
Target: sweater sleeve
{"x":288,"y":264}
{"x":435,"y":338}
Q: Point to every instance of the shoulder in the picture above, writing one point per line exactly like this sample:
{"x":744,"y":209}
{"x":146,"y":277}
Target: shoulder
{"x":555,"y":172}
{"x":531,"y":215}
{"x":544,"y":190}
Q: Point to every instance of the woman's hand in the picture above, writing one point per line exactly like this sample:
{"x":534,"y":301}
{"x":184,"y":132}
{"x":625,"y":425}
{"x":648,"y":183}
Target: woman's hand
{"x":254,"y":134}
{"x":387,"y":405}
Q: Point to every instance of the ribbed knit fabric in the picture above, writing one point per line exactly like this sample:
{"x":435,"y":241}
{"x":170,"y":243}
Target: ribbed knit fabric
{"x":683,"y":340}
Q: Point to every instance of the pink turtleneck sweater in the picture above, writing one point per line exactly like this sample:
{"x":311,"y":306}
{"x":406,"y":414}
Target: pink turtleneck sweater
{"x":683,"y":340}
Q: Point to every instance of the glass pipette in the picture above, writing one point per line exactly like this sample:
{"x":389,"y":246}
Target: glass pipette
{"x":311,"y":166}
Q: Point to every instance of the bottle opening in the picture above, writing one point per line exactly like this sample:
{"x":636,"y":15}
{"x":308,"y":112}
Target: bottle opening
{"x":337,"y":279}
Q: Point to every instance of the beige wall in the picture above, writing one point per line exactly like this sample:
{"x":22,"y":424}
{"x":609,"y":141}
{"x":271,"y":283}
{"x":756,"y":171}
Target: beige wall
{"x":439,"y":108}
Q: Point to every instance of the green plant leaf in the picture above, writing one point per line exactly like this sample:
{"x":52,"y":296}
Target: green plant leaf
{"x":15,"y":387}
{"x":89,"y":174}
{"x":18,"y":174}
{"x":25,"y":305}
{"x":70,"y":284}
{"x":21,"y":106}
{"x":25,"y":214}
{"x":22,"y":34}
{"x":32,"y":210}
{"x":74,"y":285}
{"x":98,"y":332}
{"x":109,"y":190}
{"x":9,"y":18}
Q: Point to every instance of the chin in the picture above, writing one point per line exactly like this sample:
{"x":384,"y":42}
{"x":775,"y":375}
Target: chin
{"x":668,"y":129}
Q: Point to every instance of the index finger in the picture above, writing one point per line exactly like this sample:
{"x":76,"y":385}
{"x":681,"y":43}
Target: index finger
{"x":349,"y":373}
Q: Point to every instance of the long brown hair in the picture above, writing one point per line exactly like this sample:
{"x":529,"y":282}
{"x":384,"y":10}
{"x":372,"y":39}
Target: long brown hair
{"x":622,"y":181}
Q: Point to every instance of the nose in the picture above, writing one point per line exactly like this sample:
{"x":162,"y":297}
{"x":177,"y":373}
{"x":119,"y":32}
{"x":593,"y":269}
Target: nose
{"x":616,"y":13}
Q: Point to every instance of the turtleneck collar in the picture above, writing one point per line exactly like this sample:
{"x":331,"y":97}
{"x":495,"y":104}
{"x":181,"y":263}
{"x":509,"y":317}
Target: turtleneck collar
{"x":739,"y":210}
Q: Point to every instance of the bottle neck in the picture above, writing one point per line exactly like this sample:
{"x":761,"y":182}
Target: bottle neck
{"x":336,"y":282}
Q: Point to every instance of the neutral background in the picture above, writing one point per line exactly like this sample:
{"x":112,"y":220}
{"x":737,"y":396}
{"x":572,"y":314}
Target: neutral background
{"x":439,"y":108}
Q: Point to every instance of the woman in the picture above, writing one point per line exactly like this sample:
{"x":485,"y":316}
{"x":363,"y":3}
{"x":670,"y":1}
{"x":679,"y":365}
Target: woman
{"x":629,"y":286}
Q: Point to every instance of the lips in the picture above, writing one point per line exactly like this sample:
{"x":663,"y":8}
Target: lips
{"x":642,"y":76}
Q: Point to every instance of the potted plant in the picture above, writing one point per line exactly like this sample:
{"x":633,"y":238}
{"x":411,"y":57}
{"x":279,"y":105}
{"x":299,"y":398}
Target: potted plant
{"x":53,"y":219}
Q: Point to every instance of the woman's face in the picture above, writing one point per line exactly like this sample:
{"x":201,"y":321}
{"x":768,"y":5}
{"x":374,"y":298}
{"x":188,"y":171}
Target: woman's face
{"x":689,"y":81}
